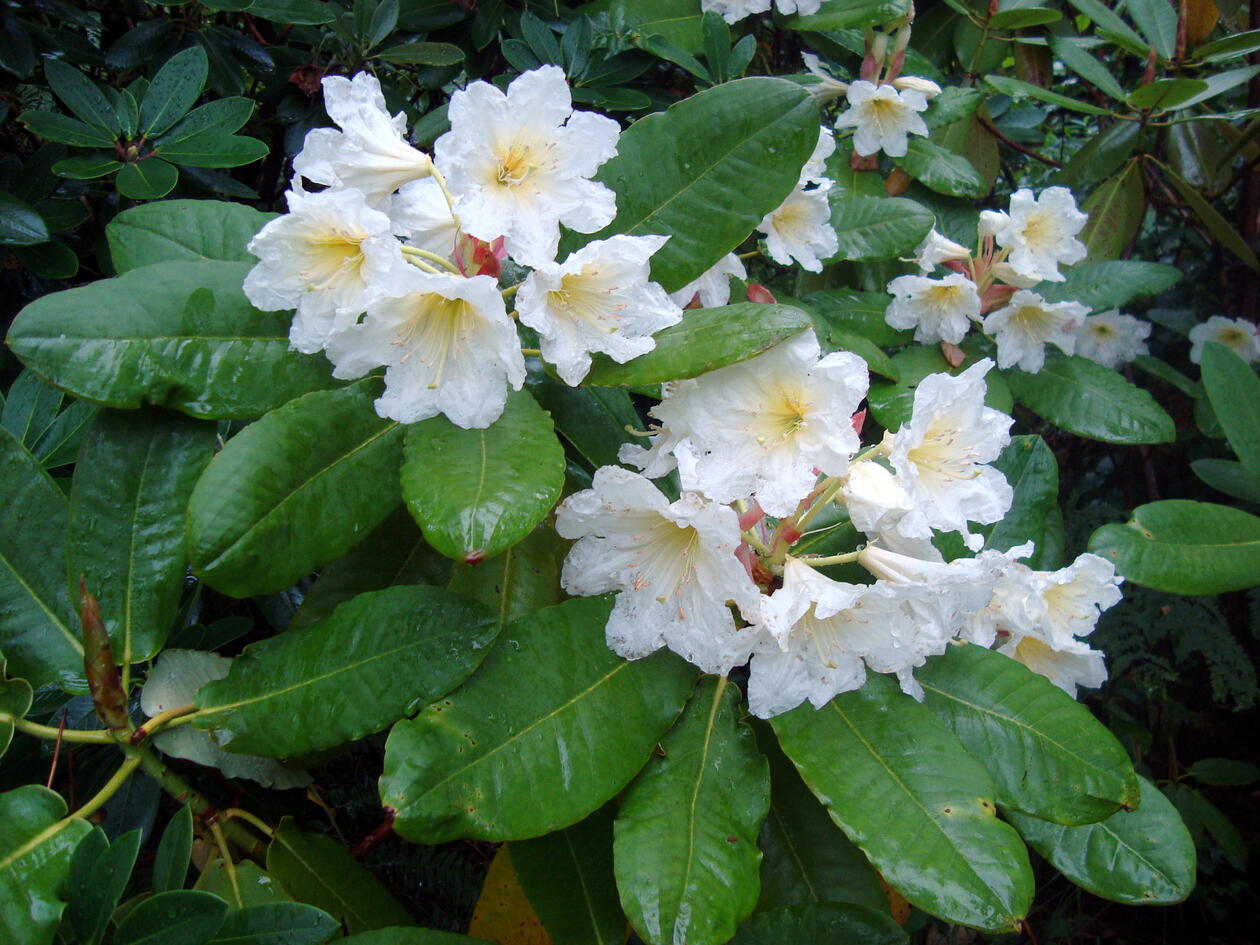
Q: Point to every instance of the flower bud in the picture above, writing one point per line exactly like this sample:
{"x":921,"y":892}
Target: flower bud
{"x":919,"y":84}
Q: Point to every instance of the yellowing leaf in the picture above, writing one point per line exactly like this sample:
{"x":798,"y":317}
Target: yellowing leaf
{"x":503,"y":914}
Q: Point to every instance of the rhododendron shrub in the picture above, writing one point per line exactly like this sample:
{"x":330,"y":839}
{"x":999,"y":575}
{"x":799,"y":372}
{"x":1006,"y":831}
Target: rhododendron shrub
{"x":670,"y":492}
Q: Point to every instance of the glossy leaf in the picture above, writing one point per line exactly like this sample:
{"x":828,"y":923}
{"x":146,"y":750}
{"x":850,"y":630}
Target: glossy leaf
{"x":276,"y":923}
{"x":66,"y":130}
{"x":805,"y":856}
{"x":758,"y":134}
{"x":248,"y":885}
{"x":503,"y":912}
{"x":1234,"y":390}
{"x":1111,"y":284}
{"x":80,"y":94}
{"x":1018,"y":89}
{"x":1032,"y":470}
{"x":568,"y":878}
{"x":942,"y":170}
{"x":178,"y":917}
{"x":224,"y":116}
{"x":705,"y":339}
{"x":475,"y":763}
{"x":1073,"y":53}
{"x":293,"y":490}
{"x":20,"y":224}
{"x":820,"y":922}
{"x":1184,"y":547}
{"x":182,"y":230}
{"x":170,"y":865}
{"x":135,"y":473}
{"x":1115,"y":208}
{"x":1092,"y":401}
{"x":878,"y":227}
{"x":1157,"y":22}
{"x":1047,"y":754}
{"x":1220,"y":228}
{"x":37,"y":840}
{"x":1143,"y":857}
{"x":476,"y":493}
{"x":322,"y":873}
{"x":934,"y":833}
{"x":845,"y":14}
{"x":98,"y":881}
{"x":374,"y":660}
{"x":15,"y":701}
{"x":149,"y":179}
{"x":685,"y":847}
{"x":858,"y":313}
{"x":522,"y":580}
{"x":213,"y":149}
{"x":39,"y":627}
{"x":1099,"y":156}
{"x":173,"y":91}
{"x":1229,"y":477}
{"x":593,"y":420}
{"x":679,"y":21}
{"x":211,"y":354}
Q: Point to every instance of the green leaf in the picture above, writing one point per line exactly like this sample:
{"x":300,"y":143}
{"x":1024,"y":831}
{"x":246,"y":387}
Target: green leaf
{"x":87,"y":166}
{"x":820,"y":922}
{"x":1018,"y":89}
{"x":1092,"y":401}
{"x":705,"y":339}
{"x":1184,"y":547}
{"x":1073,"y":53}
{"x":806,"y":858}
{"x":320,"y":872}
{"x":1022,"y":17}
{"x":410,"y":936}
{"x":1143,"y":857}
{"x":134,"y":475}
{"x":1111,"y":284}
{"x":1229,"y":477}
{"x":1032,"y":469}
{"x":1157,"y":22}
{"x":475,"y":763}
{"x":173,"y":91}
{"x":1116,"y":208}
{"x":81,"y":95}
{"x":424,"y":54}
{"x":183,"y":230}
{"x":36,"y":843}
{"x":593,"y":420}
{"x":66,"y":130}
{"x":1234,"y":390}
{"x":296,"y":12}
{"x":38,"y":625}
{"x":1049,"y":757}
{"x":292,"y":491}
{"x":224,"y":116}
{"x":1165,"y":94}
{"x":942,"y":170}
{"x":858,"y":313}
{"x":30,"y":408}
{"x":248,"y":885}
{"x":211,"y":354}
{"x":149,"y":179}
{"x":686,"y":835}
{"x":476,"y":493}
{"x":679,"y":21}
{"x":934,"y":834}
{"x":395,"y":649}
{"x":1224,"y":772}
{"x":522,"y":580}
{"x":892,"y":404}
{"x":844,"y":14}
{"x":20,"y":225}
{"x":759,"y":132}
{"x":98,"y":882}
{"x":213,"y":149}
{"x":1229,"y":47}
{"x":952,"y":105}
{"x":393,"y":554}
{"x":16,"y":696}
{"x":170,"y":865}
{"x":553,"y":868}
{"x":178,"y":917}
{"x":878,"y":227}
{"x":1210,"y":217}
{"x":276,"y":923}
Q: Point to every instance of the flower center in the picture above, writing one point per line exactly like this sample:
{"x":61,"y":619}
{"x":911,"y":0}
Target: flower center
{"x":944,"y":297}
{"x":941,"y":453}
{"x":515,"y":166}
{"x":786,"y":416}
{"x":1039,"y":228}
{"x":331,"y":258}
{"x":435,"y":331}
{"x":585,"y":298}
{"x":668,"y":559}
{"x":1035,"y":321}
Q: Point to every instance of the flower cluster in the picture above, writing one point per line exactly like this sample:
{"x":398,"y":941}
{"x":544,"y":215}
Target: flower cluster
{"x":763,"y":449}
{"x":395,"y":262}
{"x":993,"y":287}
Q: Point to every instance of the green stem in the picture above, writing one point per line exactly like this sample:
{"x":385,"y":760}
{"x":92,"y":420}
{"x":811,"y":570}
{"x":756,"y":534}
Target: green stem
{"x":93,"y":736}
{"x":109,"y":790}
{"x":509,"y":291}
{"x":450,"y":201}
{"x":830,"y":487}
{"x":431,"y":257}
{"x":260,"y":825}
{"x":848,"y":558}
{"x":422,"y":265}
{"x":532,"y":352}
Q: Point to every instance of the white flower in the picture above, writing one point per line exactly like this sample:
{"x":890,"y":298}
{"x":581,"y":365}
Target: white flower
{"x":369,"y":153}
{"x":873,"y":497}
{"x":1236,"y":334}
{"x":1067,"y":666}
{"x":714,"y":285}
{"x":919,"y":84}
{"x":601,"y":299}
{"x":329,"y":257}
{"x":447,"y":345}
{"x":815,"y":169}
{"x":1039,"y":232}
{"x":173,"y":682}
{"x":735,"y":10}
{"x":763,"y":426}
{"x":1112,"y":339}
{"x":1024,"y":327}
{"x":674,"y":564}
{"x":829,"y":88}
{"x":520,"y":163}
{"x":883,"y":118}
{"x":800,"y":229}
{"x":940,"y":457}
{"x":937,"y":309}
{"x":1005,"y":272}
{"x":419,"y":213}
{"x":936,"y":249}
